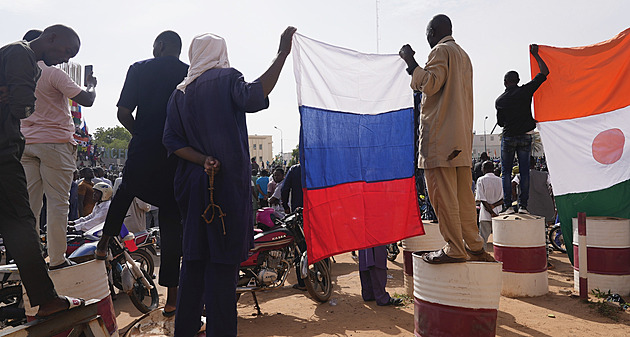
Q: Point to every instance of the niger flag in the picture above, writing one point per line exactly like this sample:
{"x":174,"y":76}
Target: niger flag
{"x":583,"y":114}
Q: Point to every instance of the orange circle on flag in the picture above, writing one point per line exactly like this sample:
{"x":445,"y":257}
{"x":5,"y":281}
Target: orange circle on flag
{"x":608,"y":146}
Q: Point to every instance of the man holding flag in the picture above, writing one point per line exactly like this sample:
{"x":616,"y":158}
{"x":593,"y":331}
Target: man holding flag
{"x":446,"y":141}
{"x":514,"y":115}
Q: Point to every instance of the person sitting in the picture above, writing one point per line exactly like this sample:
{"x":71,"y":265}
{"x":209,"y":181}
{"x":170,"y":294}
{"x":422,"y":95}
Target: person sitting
{"x":102,"y":194}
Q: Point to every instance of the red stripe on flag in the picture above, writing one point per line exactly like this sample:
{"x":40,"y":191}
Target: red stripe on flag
{"x":359,"y":215}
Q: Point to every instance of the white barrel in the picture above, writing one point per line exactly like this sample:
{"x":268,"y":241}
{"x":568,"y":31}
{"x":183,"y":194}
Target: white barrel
{"x":408,"y":284}
{"x":431,"y":240}
{"x":520,"y":243}
{"x":608,"y":254}
{"x":87,"y":281}
{"x":456,"y":299}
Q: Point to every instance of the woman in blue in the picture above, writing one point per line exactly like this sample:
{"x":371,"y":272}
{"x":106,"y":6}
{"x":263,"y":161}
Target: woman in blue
{"x":206,"y":129}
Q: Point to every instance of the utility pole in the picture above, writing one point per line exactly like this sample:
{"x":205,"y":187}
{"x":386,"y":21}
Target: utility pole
{"x":485,"y":140}
{"x":281,"y":145}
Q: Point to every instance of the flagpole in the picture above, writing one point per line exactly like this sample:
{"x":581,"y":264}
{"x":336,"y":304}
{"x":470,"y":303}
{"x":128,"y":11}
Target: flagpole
{"x":377,"y":30}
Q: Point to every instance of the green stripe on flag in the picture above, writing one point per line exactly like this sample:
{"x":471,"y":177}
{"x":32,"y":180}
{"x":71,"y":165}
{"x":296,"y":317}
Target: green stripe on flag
{"x":613,"y":201}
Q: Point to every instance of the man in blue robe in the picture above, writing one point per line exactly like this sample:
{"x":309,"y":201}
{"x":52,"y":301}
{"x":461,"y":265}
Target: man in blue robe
{"x":206,"y":129}
{"x":373,"y":274}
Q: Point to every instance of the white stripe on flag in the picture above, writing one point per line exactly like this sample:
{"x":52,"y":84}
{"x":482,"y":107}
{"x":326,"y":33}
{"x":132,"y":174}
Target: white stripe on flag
{"x":345,"y":80}
{"x":569,"y":151}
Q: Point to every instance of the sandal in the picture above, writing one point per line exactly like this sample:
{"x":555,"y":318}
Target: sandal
{"x":439,"y":257}
{"x":168,"y":313}
{"x":72,"y":303}
{"x":100,"y":256}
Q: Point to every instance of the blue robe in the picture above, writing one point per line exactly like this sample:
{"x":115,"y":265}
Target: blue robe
{"x":210,"y":117}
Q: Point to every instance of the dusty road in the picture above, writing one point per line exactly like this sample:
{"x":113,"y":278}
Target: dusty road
{"x":290,"y":312}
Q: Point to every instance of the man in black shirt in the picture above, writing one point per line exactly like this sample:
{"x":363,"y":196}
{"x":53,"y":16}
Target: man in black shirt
{"x":148,"y":172}
{"x":514,"y":115}
{"x":18,"y":76}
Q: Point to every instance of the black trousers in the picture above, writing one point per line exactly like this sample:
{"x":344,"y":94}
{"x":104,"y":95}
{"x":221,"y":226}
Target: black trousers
{"x":168,"y":218}
{"x":17,"y":227}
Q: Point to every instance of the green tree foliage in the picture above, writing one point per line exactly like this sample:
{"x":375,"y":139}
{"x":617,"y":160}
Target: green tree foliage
{"x":116,"y":137}
{"x":295,"y":156}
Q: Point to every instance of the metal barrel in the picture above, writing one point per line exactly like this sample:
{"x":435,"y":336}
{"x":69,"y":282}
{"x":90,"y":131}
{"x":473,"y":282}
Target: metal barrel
{"x":519,"y":242}
{"x":608,"y":254}
{"x":456,"y":299}
{"x":85,"y":280}
{"x":431,"y":240}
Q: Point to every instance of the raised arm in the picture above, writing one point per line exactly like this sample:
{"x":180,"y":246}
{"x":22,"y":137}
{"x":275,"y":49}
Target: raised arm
{"x":533,"y":48}
{"x":270,"y":77}
{"x":86,"y":97}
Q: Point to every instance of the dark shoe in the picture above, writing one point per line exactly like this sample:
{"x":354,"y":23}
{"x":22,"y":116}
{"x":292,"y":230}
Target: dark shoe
{"x":480,"y":256}
{"x":299,"y":287}
{"x":439,"y":257}
{"x":393,"y":301}
{"x":67,"y":263}
{"x":523,"y":210}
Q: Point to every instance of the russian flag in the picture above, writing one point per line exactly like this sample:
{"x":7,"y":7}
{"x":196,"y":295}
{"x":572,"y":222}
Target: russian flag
{"x":583,"y":114}
{"x":356,"y":148}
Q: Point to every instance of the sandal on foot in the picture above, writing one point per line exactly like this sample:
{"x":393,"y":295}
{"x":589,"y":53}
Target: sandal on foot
{"x":439,"y":257}
{"x":72,"y":302}
{"x":480,"y":256}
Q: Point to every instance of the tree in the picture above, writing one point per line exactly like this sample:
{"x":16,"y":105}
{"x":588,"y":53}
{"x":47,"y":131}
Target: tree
{"x":295,"y":156}
{"x":116,"y":137}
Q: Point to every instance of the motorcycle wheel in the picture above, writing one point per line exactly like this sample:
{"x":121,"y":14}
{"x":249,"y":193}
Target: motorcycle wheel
{"x":11,"y":307}
{"x":318,"y":281}
{"x":557,"y":240}
{"x":142,"y":298}
{"x":145,"y":260}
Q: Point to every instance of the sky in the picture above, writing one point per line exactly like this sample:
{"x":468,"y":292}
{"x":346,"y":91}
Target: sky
{"x":495,"y":34}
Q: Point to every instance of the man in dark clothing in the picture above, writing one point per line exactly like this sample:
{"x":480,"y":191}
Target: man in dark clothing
{"x":18,"y":77}
{"x":292,"y":186}
{"x":148,"y":173}
{"x":206,"y":130}
{"x":514,"y":115}
{"x":477,"y":170}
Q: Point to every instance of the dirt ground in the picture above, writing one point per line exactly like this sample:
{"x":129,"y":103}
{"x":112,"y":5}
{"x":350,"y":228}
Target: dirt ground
{"x":290,"y":312}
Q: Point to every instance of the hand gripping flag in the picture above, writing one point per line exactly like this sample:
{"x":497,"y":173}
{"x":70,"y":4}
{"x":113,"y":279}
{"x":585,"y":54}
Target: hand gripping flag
{"x":356,"y":148}
{"x":583,"y":110}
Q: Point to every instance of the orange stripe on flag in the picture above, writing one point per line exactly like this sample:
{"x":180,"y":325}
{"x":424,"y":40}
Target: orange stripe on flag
{"x":584,"y":81}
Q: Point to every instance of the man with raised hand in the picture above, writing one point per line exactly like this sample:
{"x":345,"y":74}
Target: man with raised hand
{"x":446,"y":141}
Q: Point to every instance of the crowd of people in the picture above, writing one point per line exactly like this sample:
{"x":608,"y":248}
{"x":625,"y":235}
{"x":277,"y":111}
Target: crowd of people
{"x":189,"y":135}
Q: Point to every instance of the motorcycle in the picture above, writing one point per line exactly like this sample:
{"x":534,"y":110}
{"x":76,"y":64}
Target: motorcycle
{"x":145,"y":241}
{"x":392,"y":251}
{"x":277,"y":244}
{"x":555,"y":238}
{"x":124,"y":272}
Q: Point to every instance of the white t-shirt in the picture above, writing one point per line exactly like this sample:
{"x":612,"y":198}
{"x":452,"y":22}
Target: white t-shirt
{"x":490,"y":190}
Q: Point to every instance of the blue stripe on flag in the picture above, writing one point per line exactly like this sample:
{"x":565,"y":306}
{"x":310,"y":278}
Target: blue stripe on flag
{"x":338,"y":148}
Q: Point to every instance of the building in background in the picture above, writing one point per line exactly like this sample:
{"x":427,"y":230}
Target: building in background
{"x":260,"y":146}
{"x":493,"y":144}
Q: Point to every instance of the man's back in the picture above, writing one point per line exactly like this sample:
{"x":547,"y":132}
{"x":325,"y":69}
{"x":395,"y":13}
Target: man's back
{"x":18,"y":75}
{"x":513,"y":106}
{"x":447,"y":107}
{"x":148,"y":86}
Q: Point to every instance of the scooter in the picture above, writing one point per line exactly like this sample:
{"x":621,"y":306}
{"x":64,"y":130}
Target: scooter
{"x":278,"y":244}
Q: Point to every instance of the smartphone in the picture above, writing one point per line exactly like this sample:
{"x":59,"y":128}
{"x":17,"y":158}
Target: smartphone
{"x":88,"y":73}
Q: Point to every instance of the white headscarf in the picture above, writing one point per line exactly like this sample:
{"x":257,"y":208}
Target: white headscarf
{"x":207,"y":51}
